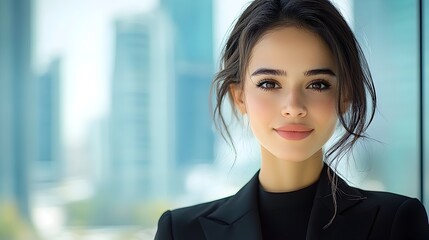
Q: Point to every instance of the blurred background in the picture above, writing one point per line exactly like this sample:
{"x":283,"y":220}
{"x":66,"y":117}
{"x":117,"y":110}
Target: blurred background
{"x":105,"y":120}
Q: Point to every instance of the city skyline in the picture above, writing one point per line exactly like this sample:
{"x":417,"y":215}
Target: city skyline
{"x":82,"y":74}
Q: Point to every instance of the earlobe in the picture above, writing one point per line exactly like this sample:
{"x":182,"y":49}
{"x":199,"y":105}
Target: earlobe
{"x":345,"y":107}
{"x":236,"y":92}
{"x":345,"y":103}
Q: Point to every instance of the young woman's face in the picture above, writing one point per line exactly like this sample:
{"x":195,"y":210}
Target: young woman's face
{"x":289,"y":93}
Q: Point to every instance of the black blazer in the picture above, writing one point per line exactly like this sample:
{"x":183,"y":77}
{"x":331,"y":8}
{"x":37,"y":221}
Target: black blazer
{"x":361,"y":215}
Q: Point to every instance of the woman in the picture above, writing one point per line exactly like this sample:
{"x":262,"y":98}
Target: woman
{"x":296,"y":70}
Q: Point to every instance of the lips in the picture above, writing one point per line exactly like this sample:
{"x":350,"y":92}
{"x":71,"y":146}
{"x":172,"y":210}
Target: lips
{"x":294,"y":131}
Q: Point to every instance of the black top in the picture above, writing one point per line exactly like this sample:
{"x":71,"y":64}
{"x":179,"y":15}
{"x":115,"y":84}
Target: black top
{"x":285,"y":215}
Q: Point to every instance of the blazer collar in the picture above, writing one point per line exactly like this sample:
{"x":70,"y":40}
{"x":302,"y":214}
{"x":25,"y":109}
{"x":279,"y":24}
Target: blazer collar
{"x":238,"y":217}
{"x":354,"y":214}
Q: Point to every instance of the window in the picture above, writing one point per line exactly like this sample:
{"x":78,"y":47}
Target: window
{"x":105,"y":121}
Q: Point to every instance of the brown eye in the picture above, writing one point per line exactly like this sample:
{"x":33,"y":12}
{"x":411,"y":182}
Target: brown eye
{"x":267,"y":85}
{"x":319,"y":85}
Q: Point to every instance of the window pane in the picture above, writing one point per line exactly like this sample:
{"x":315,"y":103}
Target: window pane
{"x":105,"y":120}
{"x":388,"y":32}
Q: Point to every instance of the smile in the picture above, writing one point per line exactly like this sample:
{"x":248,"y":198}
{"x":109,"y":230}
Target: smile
{"x":294,"y":132}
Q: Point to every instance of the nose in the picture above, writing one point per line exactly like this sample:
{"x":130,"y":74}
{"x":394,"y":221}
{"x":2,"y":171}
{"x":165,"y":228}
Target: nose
{"x":293,"y":105}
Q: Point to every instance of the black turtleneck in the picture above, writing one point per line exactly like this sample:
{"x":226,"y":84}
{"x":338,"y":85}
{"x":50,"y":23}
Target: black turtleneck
{"x":285,"y":215}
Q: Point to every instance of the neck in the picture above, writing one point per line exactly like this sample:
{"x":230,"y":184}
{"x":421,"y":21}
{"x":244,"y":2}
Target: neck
{"x":280,"y":175}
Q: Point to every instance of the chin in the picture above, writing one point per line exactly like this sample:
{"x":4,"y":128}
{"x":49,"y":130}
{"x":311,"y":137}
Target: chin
{"x":299,"y":152}
{"x":294,"y":157}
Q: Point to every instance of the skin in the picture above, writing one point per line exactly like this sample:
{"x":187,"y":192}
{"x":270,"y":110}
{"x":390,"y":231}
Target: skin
{"x":290,"y":79}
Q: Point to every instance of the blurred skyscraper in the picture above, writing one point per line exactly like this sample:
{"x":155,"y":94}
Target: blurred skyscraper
{"x":142,"y":109}
{"x":17,"y":105}
{"x":193,"y":69}
{"x":48,"y":166}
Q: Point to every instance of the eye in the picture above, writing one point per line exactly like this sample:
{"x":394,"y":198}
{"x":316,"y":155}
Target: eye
{"x":319,"y":85}
{"x":267,"y":85}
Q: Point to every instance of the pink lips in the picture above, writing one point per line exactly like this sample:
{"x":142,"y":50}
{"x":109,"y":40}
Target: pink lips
{"x":294,"y":131}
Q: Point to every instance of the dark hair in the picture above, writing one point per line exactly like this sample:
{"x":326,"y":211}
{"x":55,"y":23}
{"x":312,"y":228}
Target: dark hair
{"x":322,"y":18}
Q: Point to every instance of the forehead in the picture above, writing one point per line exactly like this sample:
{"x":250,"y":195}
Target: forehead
{"x":291,"y":49}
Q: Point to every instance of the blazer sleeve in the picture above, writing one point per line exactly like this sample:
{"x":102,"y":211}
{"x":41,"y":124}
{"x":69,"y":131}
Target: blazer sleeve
{"x":410,"y":221}
{"x":164,"y":231}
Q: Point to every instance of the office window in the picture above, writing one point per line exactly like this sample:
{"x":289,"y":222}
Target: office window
{"x":105,"y":119}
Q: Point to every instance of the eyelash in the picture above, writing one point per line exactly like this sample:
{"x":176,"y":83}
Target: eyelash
{"x":321,"y":82}
{"x":263,"y":82}
{"x":267,"y":81}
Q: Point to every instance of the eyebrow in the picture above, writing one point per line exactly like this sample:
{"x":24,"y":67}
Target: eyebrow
{"x":322,"y":71}
{"x":268,"y":71}
{"x":277,"y":72}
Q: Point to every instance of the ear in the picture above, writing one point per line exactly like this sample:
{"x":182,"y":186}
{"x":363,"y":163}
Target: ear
{"x":236,"y":92}
{"x":345,"y":106}
{"x":345,"y":102}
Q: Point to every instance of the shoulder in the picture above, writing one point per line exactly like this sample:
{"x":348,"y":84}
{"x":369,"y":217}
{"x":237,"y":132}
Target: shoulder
{"x":387,"y":199}
{"x":392,"y":202}
{"x":406,"y":216}
{"x":186,"y":223}
{"x":176,"y":222}
{"x":190,"y":213}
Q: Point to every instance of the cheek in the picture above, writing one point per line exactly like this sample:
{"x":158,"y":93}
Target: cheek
{"x":326,"y":104}
{"x":324,"y":109}
{"x":259,"y":106}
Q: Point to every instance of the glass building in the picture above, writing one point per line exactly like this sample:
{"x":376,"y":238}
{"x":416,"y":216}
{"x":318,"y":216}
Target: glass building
{"x":193,"y":69}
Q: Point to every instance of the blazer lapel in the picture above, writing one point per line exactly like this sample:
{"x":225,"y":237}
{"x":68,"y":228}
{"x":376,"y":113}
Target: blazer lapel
{"x":355,"y":213}
{"x":237,"y":218}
